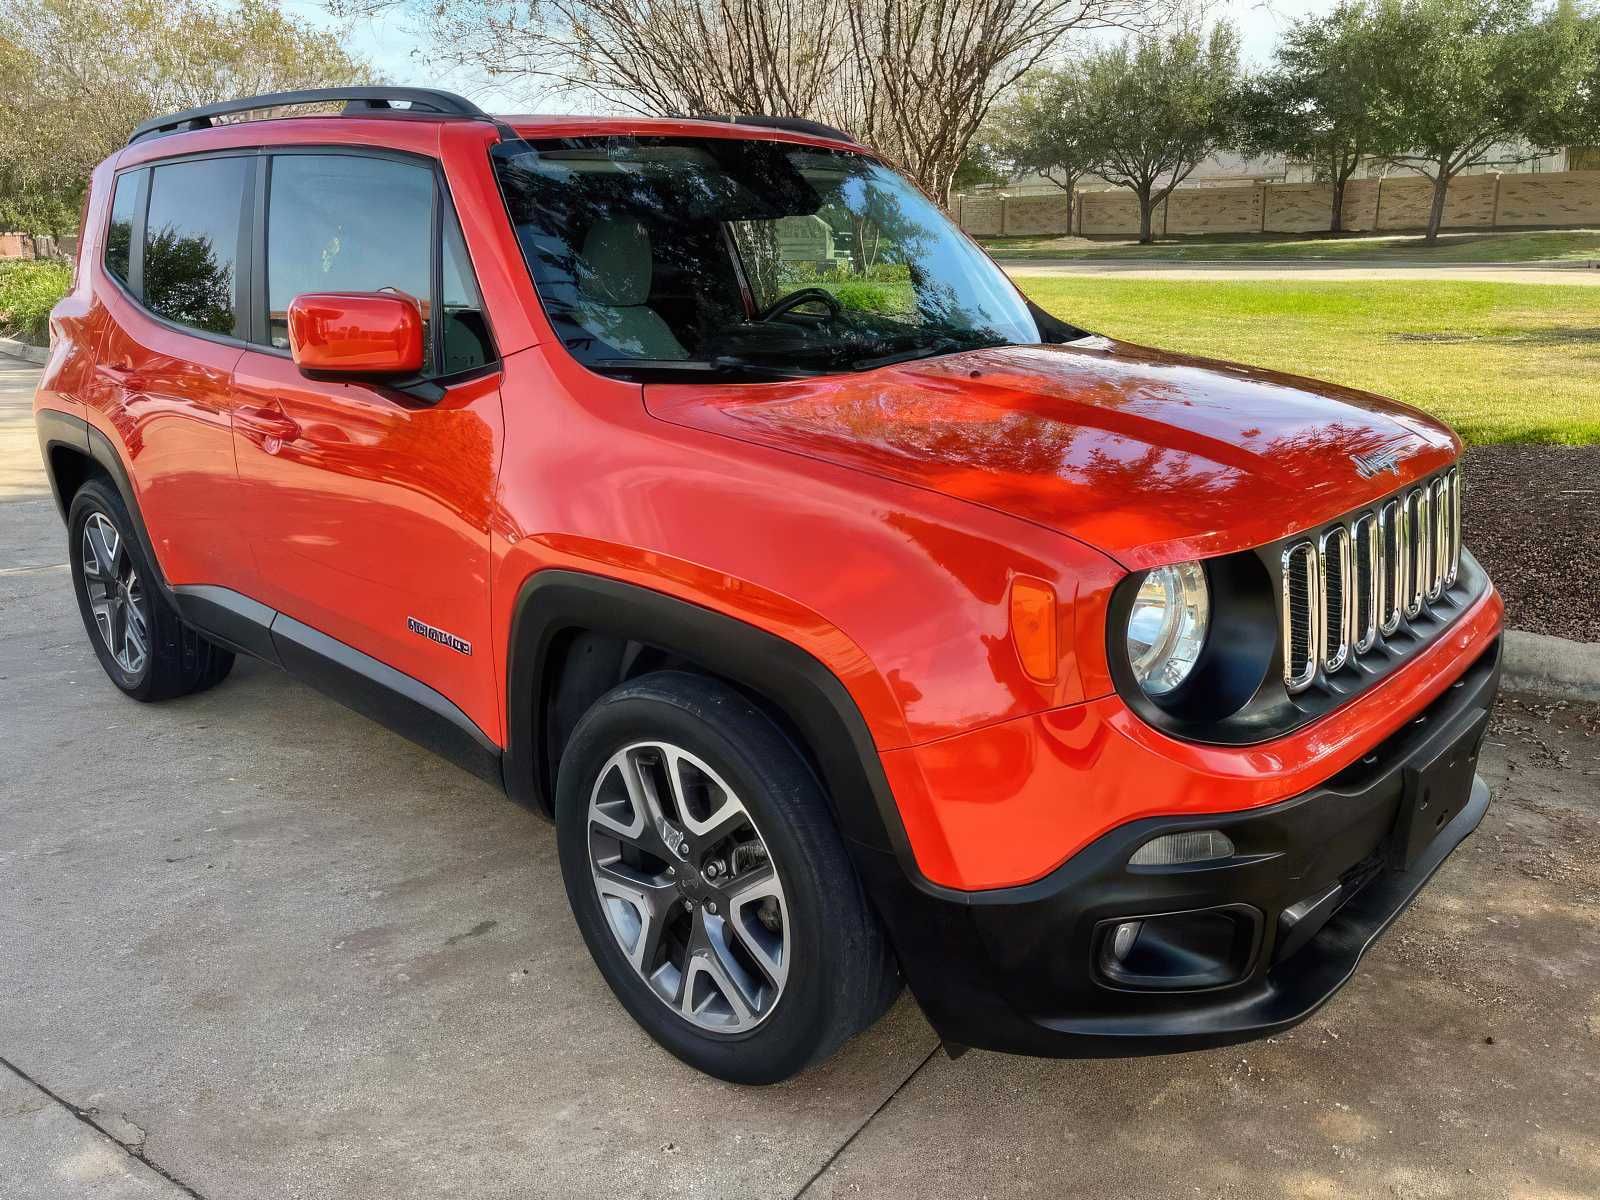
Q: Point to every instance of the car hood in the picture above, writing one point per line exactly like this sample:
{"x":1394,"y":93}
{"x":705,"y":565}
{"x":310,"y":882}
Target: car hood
{"x":1147,"y":456}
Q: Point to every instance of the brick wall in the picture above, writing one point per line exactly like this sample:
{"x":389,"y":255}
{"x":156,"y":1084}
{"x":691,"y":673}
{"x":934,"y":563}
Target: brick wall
{"x":1214,"y":210}
{"x":1567,"y":198}
{"x":26,"y":246}
{"x":1112,"y":211}
{"x":982,"y":216}
{"x":1396,"y":203}
{"x":1041,"y":214}
{"x":1298,"y":208}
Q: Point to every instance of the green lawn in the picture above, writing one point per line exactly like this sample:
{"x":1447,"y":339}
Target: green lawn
{"x":1499,"y":362}
{"x":1533,"y":245}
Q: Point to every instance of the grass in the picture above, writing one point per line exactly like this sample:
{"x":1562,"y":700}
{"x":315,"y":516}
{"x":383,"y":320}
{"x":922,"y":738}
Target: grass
{"x":1529,"y":245}
{"x":1499,"y":362}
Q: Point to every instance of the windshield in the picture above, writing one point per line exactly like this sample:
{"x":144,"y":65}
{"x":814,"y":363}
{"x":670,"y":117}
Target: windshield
{"x":747,"y":257}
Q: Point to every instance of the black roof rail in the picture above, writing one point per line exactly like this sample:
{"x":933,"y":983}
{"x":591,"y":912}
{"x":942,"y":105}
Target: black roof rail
{"x":356,"y":100}
{"x":792,"y":124}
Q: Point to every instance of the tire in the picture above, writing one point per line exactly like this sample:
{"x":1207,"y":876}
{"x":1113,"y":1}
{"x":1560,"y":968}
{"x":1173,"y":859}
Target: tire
{"x":788,"y":961}
{"x":144,"y":645}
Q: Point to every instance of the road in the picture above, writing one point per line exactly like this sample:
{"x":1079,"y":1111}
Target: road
{"x":252,"y":946}
{"x":1307,"y":272}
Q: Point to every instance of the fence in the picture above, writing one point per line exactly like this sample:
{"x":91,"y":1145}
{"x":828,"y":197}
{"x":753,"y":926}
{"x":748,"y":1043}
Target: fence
{"x":26,"y":245}
{"x":1397,"y":202}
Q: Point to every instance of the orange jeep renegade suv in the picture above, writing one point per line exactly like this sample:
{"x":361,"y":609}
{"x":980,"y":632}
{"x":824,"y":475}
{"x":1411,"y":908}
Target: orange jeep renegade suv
{"x":700,"y":484}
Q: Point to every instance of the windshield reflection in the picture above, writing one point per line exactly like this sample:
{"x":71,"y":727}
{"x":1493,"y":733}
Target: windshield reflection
{"x":746,"y":258}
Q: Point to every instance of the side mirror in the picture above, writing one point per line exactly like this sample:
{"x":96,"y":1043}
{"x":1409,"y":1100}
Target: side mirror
{"x":373,"y":334}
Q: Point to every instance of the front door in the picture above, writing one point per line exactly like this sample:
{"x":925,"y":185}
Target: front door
{"x":369,"y":505}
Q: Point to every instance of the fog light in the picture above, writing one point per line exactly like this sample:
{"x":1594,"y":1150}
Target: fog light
{"x":1122,"y":939}
{"x":1177,"y":849}
{"x":1181,"y":951}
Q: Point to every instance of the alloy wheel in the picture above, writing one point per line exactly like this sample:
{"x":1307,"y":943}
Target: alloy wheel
{"x":688,"y":888}
{"x":116,"y":595}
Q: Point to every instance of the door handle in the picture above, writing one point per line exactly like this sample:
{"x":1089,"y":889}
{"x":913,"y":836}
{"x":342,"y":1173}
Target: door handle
{"x":269,"y":422}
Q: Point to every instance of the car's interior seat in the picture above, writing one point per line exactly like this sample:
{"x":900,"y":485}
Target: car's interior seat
{"x":614,"y":271}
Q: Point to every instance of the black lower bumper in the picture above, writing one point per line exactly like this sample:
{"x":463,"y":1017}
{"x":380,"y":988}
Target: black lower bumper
{"x":1312,"y":882}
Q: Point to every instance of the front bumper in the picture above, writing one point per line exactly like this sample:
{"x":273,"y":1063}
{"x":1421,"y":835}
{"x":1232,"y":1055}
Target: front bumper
{"x":1324,"y":874}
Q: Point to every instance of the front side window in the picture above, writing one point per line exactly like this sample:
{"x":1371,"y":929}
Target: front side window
{"x":347,"y":223}
{"x":191,"y":243}
{"x":750,"y":257}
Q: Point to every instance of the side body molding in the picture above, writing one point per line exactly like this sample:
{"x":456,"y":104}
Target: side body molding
{"x":372,"y":688}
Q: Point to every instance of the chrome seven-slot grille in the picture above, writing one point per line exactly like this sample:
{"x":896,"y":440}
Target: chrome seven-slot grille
{"x":1351,"y":587}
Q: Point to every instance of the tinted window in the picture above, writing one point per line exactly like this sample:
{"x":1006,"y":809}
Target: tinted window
{"x":338,"y":223}
{"x":119,"y":235}
{"x":466,"y":332}
{"x":191,"y":243}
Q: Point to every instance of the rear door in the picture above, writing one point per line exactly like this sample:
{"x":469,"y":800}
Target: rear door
{"x":369,"y":505}
{"x":177,"y":259}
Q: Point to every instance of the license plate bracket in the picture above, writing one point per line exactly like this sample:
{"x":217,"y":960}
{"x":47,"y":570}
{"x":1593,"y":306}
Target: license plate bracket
{"x":1437,"y":784}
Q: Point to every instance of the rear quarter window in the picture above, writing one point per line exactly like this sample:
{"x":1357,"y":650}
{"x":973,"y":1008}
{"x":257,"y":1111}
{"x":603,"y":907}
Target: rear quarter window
{"x":119,"y":233}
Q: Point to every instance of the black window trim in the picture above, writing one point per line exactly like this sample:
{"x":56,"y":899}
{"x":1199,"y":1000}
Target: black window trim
{"x":250,"y":268}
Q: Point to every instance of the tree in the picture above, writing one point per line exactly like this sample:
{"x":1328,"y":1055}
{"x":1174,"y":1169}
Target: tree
{"x":982,"y":167}
{"x":1042,"y":129}
{"x":80,"y":74}
{"x":1158,"y":107}
{"x":1317,"y":105}
{"x":914,"y":78}
{"x":1460,"y":77}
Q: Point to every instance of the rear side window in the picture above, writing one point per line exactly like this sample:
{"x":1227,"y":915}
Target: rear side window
{"x":192,"y":235}
{"x":119,"y":234}
{"x":339,"y":223}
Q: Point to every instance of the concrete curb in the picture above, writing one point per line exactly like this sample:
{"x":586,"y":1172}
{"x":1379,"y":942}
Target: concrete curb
{"x":38,"y":355}
{"x":1551,"y":666}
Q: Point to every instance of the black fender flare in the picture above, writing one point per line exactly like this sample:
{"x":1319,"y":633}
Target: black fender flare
{"x":74,"y":433}
{"x":556,"y":601}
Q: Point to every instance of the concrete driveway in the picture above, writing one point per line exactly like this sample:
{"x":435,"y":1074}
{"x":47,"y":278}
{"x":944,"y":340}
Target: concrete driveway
{"x":254,"y":946}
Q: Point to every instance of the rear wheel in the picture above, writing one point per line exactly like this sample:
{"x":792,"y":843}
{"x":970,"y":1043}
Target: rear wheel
{"x":141,"y":641}
{"x":710,"y":883}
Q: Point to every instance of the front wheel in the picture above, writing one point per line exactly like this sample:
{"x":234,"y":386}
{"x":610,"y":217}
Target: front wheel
{"x":710,"y":884}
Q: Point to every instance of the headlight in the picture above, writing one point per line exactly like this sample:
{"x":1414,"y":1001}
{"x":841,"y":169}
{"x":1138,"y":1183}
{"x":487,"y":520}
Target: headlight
{"x":1167,"y":626}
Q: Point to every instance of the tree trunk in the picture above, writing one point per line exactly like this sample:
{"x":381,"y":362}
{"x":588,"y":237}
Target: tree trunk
{"x":1441,"y":185}
{"x":1336,"y":221}
{"x":1146,"y":234}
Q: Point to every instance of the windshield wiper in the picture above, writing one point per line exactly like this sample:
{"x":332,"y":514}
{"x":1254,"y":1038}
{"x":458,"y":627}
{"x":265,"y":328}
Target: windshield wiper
{"x":943,"y":345}
{"x":722,"y":365}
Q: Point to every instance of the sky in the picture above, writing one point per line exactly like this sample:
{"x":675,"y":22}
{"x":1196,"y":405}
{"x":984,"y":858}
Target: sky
{"x":399,"y":52}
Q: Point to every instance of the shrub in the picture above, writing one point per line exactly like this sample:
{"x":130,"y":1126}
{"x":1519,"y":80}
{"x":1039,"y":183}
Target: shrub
{"x":859,"y":296}
{"x":28,"y":291}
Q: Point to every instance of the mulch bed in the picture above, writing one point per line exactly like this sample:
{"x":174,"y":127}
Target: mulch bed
{"x":1532,"y":519}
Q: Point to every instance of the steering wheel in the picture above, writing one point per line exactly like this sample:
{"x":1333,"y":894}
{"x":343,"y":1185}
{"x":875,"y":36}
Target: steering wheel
{"x":810,"y":295}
